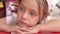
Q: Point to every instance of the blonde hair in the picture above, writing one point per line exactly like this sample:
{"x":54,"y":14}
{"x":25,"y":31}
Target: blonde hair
{"x":43,"y":9}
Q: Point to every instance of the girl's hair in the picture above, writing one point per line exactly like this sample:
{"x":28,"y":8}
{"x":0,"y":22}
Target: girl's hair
{"x":43,"y":9}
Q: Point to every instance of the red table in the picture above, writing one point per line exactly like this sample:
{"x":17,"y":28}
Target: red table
{"x":2,"y":32}
{"x":49,"y":33}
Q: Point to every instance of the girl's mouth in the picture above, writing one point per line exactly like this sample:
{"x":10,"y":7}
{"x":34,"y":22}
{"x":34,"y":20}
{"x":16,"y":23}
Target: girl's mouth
{"x":22,"y":22}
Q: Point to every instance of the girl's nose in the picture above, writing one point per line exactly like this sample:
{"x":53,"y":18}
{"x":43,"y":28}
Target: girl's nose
{"x":25,"y":16}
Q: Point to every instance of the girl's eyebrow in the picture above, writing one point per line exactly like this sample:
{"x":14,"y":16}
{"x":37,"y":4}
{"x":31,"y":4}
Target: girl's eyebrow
{"x":33,"y":11}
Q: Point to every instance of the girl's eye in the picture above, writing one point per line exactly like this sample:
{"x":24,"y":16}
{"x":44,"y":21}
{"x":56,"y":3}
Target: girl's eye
{"x":32,"y":14}
{"x":22,"y":9}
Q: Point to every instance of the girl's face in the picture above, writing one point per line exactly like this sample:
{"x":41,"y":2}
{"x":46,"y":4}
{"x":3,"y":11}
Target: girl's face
{"x":28,"y":13}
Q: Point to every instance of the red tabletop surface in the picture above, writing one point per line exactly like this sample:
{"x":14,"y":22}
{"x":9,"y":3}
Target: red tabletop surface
{"x":2,"y":32}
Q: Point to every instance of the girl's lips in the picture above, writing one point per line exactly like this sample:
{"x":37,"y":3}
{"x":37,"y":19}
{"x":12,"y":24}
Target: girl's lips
{"x":22,"y":22}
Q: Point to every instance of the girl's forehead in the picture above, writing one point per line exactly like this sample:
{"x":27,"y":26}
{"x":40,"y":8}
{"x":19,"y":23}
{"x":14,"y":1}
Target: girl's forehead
{"x":30,"y":4}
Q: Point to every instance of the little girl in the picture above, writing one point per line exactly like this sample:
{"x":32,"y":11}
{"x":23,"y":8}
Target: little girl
{"x":31,"y":13}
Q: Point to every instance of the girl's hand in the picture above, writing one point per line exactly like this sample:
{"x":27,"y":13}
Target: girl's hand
{"x":20,"y":32}
{"x":19,"y":29}
{"x":23,"y":30}
{"x":33,"y":30}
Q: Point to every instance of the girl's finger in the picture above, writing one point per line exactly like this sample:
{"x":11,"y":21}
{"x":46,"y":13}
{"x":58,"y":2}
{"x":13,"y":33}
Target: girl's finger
{"x":19,"y":32}
{"x":23,"y":29}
